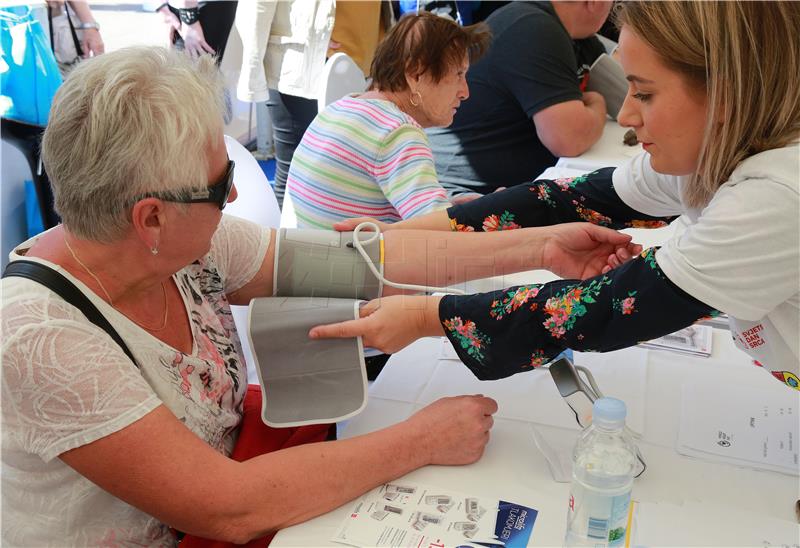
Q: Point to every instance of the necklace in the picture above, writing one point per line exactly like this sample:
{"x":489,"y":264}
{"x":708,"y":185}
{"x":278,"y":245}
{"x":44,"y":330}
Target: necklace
{"x":111,"y":301}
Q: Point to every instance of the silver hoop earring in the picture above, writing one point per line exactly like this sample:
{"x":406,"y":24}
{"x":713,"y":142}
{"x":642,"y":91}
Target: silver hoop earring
{"x":419,"y":101}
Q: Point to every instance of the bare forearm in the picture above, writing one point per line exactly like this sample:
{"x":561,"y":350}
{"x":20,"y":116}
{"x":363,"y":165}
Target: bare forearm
{"x":239,"y":501}
{"x":433,"y":258}
{"x":334,"y":473}
{"x":82,"y":10}
{"x":570,"y":128}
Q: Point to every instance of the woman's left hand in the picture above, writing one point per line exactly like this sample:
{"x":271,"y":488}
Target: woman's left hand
{"x":389,"y":323}
{"x":92,"y":44}
{"x":584,"y":250}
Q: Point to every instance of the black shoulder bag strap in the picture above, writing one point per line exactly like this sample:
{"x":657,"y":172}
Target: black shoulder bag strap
{"x":75,"y":40}
{"x":60,"y":285}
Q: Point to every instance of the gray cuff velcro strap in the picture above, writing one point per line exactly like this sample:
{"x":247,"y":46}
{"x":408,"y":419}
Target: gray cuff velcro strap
{"x":319,"y":263}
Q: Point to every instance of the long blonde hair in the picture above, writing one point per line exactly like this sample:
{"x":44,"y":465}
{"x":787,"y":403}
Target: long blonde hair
{"x":746,"y":57}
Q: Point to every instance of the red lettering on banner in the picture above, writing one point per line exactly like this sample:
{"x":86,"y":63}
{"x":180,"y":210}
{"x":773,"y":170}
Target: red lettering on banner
{"x":752,"y":337}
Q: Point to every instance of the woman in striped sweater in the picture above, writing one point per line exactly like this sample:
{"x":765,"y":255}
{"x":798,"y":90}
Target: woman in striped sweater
{"x":367,"y":154}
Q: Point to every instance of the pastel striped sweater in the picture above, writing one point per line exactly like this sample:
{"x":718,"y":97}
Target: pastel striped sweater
{"x":363,"y":157}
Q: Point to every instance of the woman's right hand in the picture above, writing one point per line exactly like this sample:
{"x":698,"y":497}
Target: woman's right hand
{"x":349,"y":225}
{"x":454,"y":430}
{"x":194,"y":41}
{"x":389,"y":323}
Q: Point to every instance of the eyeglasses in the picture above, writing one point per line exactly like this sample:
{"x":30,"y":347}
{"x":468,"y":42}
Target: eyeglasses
{"x":217,"y":193}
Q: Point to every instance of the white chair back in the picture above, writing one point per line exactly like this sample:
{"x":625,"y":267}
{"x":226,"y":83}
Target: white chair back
{"x":255,"y":202}
{"x":340,"y":77}
{"x":288,"y":217}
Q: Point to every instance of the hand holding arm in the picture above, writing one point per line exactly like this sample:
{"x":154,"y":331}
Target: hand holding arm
{"x":574,"y":250}
{"x":583,"y":250}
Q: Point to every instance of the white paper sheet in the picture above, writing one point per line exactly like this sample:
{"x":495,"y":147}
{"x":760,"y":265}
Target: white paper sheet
{"x":694,"y":340}
{"x":749,"y":425}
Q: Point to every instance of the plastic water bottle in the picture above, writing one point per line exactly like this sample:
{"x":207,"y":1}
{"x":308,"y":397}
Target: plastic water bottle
{"x":603,"y":464}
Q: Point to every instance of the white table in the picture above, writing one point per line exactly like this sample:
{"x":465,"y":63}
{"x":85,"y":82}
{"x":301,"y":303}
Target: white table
{"x":705,"y":503}
{"x":683,"y":501}
{"x":608,"y":151}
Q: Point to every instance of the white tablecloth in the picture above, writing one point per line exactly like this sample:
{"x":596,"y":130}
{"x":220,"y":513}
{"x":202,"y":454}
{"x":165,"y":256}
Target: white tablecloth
{"x":514,"y":467}
{"x":682,"y":501}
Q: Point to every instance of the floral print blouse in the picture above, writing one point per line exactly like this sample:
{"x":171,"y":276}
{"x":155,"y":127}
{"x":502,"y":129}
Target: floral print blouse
{"x":504,"y":332}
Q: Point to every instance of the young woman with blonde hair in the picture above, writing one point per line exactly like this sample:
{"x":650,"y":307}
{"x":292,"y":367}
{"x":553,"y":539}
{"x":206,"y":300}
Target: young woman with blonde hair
{"x":713,"y":97}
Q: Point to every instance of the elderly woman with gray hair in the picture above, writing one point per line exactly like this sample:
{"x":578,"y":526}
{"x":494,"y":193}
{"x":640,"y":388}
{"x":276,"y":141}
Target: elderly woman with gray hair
{"x":102,"y":448}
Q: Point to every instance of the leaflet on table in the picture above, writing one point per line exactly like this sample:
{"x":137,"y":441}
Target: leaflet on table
{"x":747,"y":425}
{"x":412,"y":515}
{"x":721,"y":321}
{"x":694,"y":340}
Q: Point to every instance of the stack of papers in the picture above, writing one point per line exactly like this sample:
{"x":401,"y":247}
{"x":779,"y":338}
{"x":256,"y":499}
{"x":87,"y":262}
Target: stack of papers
{"x":412,"y":515}
{"x":720,"y":322}
{"x":752,"y":425}
{"x":694,"y":340}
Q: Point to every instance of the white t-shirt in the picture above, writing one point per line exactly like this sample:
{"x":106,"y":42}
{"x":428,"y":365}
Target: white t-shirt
{"x":741,"y":253}
{"x":66,"y":383}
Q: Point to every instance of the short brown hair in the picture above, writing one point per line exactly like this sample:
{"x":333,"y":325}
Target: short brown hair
{"x":425,"y":43}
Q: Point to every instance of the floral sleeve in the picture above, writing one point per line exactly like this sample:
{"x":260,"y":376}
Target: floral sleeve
{"x":505,"y":332}
{"x":590,"y":198}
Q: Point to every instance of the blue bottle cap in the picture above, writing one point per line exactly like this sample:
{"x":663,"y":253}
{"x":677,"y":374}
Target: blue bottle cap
{"x":609,"y":413}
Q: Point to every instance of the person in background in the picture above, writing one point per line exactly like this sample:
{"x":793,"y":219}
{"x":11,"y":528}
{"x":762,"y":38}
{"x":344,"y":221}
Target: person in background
{"x":86,"y":29}
{"x":135,"y":150}
{"x":718,"y":114}
{"x":358,"y":28}
{"x":199,"y":27}
{"x":285,"y":46}
{"x":527,"y":106}
{"x":367,"y":154}
{"x":464,"y":12}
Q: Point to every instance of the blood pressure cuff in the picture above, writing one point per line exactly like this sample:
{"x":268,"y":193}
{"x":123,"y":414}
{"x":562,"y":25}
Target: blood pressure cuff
{"x":322,"y":263}
{"x":306,"y":381}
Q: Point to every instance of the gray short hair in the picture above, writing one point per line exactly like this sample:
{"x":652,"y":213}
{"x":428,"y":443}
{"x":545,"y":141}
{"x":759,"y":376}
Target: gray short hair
{"x":125,"y":124}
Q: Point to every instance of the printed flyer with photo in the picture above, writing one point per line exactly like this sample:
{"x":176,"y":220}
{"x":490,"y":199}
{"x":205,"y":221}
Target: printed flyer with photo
{"x":415,"y":516}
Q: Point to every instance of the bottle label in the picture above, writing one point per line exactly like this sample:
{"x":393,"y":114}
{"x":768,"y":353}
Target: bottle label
{"x":596,"y":518}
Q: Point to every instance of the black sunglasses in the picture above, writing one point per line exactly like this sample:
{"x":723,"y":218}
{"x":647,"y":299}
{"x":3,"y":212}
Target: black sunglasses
{"x":217,"y":193}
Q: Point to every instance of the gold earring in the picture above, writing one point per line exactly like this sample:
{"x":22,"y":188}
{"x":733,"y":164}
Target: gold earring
{"x":419,"y":101}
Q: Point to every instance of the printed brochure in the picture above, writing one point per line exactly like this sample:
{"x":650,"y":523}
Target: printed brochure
{"x":402,"y":514}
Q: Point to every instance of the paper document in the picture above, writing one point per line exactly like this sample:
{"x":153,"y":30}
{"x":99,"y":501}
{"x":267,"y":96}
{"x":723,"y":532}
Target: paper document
{"x":402,"y":514}
{"x":694,"y":340}
{"x":748,"y":425}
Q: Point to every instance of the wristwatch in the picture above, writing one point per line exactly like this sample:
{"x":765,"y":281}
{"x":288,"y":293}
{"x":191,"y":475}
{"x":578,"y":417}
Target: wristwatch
{"x":89,"y":25}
